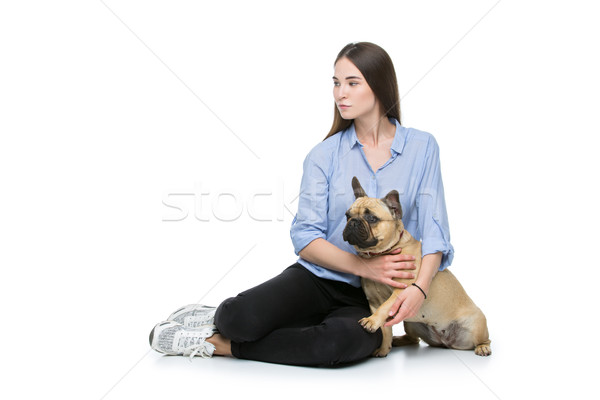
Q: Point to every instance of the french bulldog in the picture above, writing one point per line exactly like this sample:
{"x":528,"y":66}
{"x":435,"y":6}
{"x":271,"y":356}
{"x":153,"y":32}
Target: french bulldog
{"x":447,"y":318}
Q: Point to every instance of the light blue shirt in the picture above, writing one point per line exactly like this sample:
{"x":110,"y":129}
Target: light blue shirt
{"x":326,"y":193}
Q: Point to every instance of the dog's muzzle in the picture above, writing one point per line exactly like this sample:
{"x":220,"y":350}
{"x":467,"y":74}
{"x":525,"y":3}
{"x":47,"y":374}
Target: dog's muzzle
{"x":358,"y":233}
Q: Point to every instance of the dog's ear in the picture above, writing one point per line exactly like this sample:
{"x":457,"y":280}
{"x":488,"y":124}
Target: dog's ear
{"x":358,"y":190}
{"x":392,"y":200}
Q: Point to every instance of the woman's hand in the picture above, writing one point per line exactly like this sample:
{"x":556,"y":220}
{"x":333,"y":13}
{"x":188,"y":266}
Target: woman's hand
{"x":406,"y":305}
{"x":411,"y":299}
{"x":385,"y":268}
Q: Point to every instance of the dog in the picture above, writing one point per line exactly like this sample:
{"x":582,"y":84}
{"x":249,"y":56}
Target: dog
{"x":447,"y":318}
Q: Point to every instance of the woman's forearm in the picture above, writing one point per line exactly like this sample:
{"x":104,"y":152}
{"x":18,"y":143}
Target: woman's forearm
{"x":328,"y":255}
{"x":430,"y":264}
{"x":381,"y":269}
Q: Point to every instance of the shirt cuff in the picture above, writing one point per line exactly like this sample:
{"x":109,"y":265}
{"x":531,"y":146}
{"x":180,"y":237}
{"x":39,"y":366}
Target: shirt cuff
{"x":446,"y":250}
{"x":300,"y":241}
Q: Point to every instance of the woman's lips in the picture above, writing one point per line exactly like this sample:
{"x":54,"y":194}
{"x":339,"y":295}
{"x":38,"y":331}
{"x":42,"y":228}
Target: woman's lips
{"x":343,"y":106}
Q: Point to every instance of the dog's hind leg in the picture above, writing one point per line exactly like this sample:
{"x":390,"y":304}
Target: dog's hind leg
{"x":468,"y":334}
{"x":481,"y":336}
{"x":413,"y":330}
{"x":405,"y":340}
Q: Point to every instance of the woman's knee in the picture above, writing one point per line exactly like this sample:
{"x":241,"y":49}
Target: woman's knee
{"x":236,"y":322}
{"x":347,"y":342}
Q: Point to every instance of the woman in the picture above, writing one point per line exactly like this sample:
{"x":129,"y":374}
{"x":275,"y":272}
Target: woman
{"x":308,"y":315}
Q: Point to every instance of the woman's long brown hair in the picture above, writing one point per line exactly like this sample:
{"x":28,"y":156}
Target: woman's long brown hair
{"x":378,"y":70}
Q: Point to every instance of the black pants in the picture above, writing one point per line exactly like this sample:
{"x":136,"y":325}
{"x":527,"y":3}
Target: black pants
{"x":298,"y":318}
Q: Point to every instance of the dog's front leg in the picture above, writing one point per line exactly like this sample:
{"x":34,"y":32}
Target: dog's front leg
{"x":380,"y":316}
{"x":386,"y":342}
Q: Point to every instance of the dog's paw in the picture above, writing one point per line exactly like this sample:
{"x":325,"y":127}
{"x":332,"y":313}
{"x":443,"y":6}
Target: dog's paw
{"x":369,"y":324}
{"x":483,"y":350}
{"x":383,"y":351}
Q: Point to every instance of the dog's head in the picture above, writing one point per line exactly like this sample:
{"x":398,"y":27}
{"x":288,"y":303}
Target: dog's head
{"x":373,"y":225}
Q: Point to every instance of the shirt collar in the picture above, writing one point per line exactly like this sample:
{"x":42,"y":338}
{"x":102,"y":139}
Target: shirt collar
{"x":351,"y":139}
{"x":399,"y":137}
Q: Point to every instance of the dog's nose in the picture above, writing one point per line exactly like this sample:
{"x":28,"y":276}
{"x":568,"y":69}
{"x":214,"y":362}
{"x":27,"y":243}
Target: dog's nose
{"x":353,"y":232}
{"x":354,"y":225}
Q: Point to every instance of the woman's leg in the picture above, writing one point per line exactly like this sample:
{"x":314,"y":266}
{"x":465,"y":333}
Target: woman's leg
{"x":292,"y":297}
{"x":300,"y":319}
{"x":338,"y":339}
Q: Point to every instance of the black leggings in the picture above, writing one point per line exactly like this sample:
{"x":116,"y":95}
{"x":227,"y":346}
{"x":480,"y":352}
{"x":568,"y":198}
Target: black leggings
{"x":298,"y":318}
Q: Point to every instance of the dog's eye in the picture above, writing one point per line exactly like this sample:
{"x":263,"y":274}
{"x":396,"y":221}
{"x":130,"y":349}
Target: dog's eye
{"x":347,"y":215}
{"x":370,"y":218}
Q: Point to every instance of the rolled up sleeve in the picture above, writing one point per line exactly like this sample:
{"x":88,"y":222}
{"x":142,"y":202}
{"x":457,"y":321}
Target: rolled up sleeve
{"x":431,"y":208}
{"x":310,"y":222}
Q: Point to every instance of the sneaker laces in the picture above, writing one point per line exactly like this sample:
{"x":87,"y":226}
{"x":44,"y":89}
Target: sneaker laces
{"x":193,"y":343}
{"x":193,"y":321}
{"x":204,"y":350}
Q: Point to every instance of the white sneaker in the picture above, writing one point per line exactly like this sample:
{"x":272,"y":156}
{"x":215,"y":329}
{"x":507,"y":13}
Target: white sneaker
{"x":170,"y":337}
{"x":194,"y":315}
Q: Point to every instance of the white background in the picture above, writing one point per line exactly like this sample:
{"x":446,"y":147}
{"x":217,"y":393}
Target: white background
{"x":112,"y":111}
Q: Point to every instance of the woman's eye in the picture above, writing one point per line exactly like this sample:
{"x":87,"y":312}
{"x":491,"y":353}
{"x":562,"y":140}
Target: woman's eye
{"x":353,"y":83}
{"x":336,"y":84}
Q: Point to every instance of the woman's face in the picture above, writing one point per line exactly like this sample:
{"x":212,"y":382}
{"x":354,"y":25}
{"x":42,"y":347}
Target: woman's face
{"x":351,"y":92}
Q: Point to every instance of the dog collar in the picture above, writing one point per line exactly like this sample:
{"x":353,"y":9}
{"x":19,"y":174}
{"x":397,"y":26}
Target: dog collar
{"x":386,"y":251}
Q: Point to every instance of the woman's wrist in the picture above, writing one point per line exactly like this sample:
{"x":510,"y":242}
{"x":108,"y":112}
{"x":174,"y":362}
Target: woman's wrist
{"x":359,"y":266}
{"x":420,"y":289}
{"x":430,"y":264}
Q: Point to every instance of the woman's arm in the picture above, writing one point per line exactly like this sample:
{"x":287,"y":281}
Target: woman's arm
{"x":429,"y":267}
{"x":381,"y":269}
{"x":435,"y":235}
{"x":410,"y":300}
